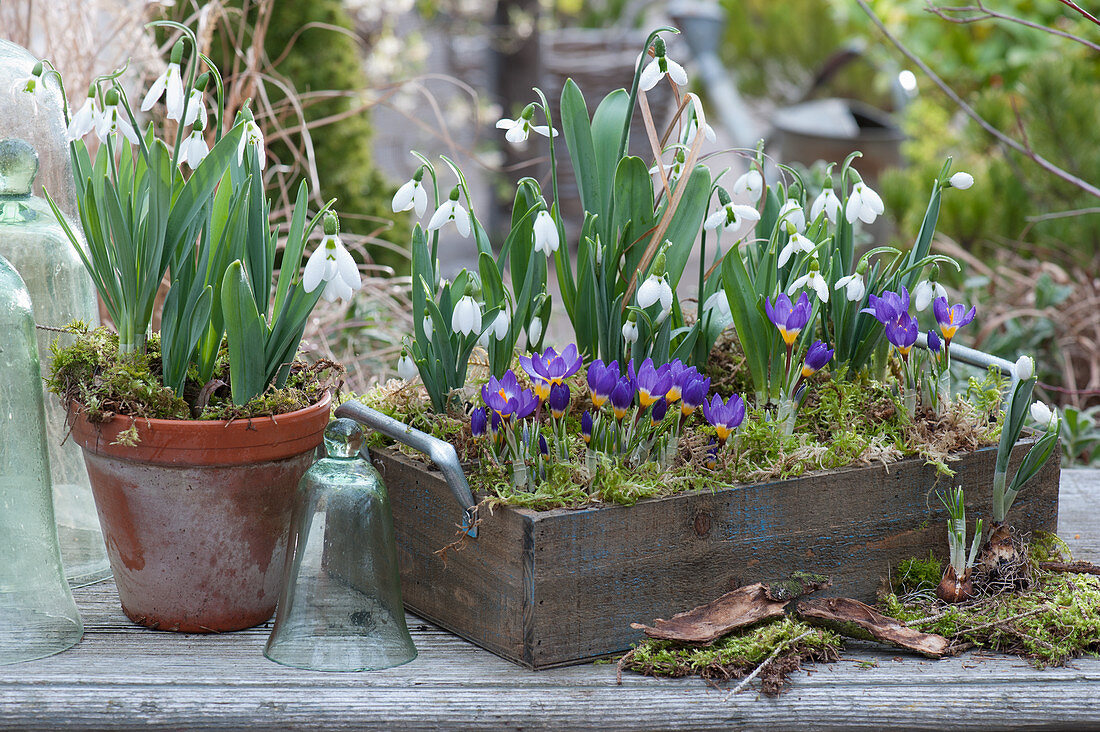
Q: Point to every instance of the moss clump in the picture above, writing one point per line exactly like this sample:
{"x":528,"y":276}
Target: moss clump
{"x":91,"y":372}
{"x":738,"y":654}
{"x":917,"y":575}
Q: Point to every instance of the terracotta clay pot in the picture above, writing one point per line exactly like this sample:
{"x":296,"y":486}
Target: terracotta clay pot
{"x":196,"y":515}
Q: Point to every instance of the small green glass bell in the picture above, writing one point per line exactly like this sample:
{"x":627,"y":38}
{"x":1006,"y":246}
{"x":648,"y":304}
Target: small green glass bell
{"x":32,"y":241}
{"x":341,"y":607}
{"x":37,"y":614}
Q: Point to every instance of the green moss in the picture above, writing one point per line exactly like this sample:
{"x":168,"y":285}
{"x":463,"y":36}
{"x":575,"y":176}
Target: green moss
{"x":736,"y":655}
{"x":917,"y":575}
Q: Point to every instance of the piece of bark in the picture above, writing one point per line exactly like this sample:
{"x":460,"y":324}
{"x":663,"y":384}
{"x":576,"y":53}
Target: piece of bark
{"x":707,"y":623}
{"x":857,"y":620}
{"x":1078,"y":567}
{"x":799,"y":584}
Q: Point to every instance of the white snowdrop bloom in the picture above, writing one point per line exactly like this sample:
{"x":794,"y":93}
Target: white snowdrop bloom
{"x":170,"y":86}
{"x":1041,"y":414}
{"x":814,"y":281}
{"x":693,"y":130}
{"x":332,"y":264}
{"x":193,"y":149}
{"x":254,"y":136}
{"x":797,"y":243}
{"x":406,"y":367}
{"x":84,"y":120}
{"x":1025,"y":367}
{"x":534,"y":329}
{"x":429,"y":327}
{"x":451,"y":210}
{"x":659,"y":67}
{"x":925,"y":292}
{"x":518,"y":130}
{"x":411,"y":195}
{"x":196,"y":109}
{"x":750,"y":185}
{"x":630,"y":331}
{"x":466,"y":317}
{"x":792,"y":214}
{"x":114,"y":120}
{"x":863,"y":204}
{"x":654,"y":290}
{"x":32,"y":85}
{"x":731,"y":216}
{"x":501,"y":323}
{"x":719,"y":304}
{"x":545,"y":233}
{"x":828,"y":202}
{"x":961,"y":180}
{"x":853,"y":285}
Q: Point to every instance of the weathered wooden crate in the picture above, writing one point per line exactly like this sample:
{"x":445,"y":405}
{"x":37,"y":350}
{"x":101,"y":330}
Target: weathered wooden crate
{"x":557,"y":587}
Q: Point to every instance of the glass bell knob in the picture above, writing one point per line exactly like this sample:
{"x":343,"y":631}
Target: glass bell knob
{"x":18,"y":167}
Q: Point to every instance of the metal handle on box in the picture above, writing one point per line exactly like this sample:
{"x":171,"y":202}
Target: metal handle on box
{"x":441,"y":453}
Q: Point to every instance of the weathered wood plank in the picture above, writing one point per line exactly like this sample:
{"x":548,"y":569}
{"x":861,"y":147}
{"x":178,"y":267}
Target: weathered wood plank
{"x":123,"y":677}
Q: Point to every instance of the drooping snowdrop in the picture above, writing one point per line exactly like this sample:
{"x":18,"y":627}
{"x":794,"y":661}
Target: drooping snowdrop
{"x":719,"y":304}
{"x":925,"y":292}
{"x":655,"y":289}
{"x":501,"y":323}
{"x":451,"y":211}
{"x":630,"y":329}
{"x":114,"y":120}
{"x":749,"y":186}
{"x":429,"y":327}
{"x":863,"y":204}
{"x":411,"y":195}
{"x":466,"y":317}
{"x":1041,"y":414}
{"x":797,"y":243}
{"x":196,"y":109}
{"x":332,"y":264}
{"x":672,"y":171}
{"x":84,"y":120}
{"x":854,"y":286}
{"x":519,"y":129}
{"x":961,"y":180}
{"x":534,"y":330}
{"x":812,"y":280}
{"x":169,"y":85}
{"x":792,"y":215}
{"x":545,"y":233}
{"x":253,"y":137}
{"x":406,"y":367}
{"x":194,"y":148}
{"x":33,"y":85}
{"x":729,"y":214}
{"x":828,"y":202}
{"x":1025,"y":368}
{"x":659,"y":67}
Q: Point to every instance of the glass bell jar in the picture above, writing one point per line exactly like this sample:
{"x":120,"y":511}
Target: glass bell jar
{"x":62,"y":291}
{"x":37,"y":614}
{"x":341,"y":605}
{"x":40,"y":120}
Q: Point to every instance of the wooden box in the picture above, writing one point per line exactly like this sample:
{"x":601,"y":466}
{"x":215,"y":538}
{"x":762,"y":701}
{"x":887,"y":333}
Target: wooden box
{"x":557,"y":587}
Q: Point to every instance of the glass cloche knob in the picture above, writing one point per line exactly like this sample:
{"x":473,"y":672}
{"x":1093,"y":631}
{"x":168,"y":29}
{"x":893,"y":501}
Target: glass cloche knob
{"x":343,"y":439}
{"x":18,"y":167}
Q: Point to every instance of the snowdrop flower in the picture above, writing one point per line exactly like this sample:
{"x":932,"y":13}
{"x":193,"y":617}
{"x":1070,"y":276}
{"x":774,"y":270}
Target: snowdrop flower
{"x":630,"y":329}
{"x":730,"y":214}
{"x":660,"y":66}
{"x":114,"y":120}
{"x":749,"y":186}
{"x":719,"y":304}
{"x":655,"y":290}
{"x":194,"y":148}
{"x":332,"y":264}
{"x":196,"y":109}
{"x":429,"y":327}
{"x":252,"y":136}
{"x":466,"y":317}
{"x":853,"y":285}
{"x":693,"y":129}
{"x":828,"y":202}
{"x":925,"y":292}
{"x":792,"y":214}
{"x":863,"y":204}
{"x":519,"y":129}
{"x":545,"y":233}
{"x":797,"y":243}
{"x":501,"y":323}
{"x":674,"y":170}
{"x":84,"y":120}
{"x":1025,"y":367}
{"x":169,"y":85}
{"x":33,"y":85}
{"x":406,"y":368}
{"x":1041,"y":414}
{"x":411,"y":195}
{"x":961,"y":180}
{"x":451,"y":210}
{"x":812,"y":280}
{"x":534,"y":330}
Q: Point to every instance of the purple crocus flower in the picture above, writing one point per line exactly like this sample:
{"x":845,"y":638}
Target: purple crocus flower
{"x":551,"y":367}
{"x":817,"y":356}
{"x":950,"y":318}
{"x":902,"y":333}
{"x":586,"y":427}
{"x":712,"y":455}
{"x":660,"y":409}
{"x":890,"y":307}
{"x":601,"y":380}
{"x":681,"y":375}
{"x":934,"y":344}
{"x":478,"y":422}
{"x":543,"y":447}
{"x":651,"y":382}
{"x":507,"y":399}
{"x":559,"y":400}
{"x":693,"y":394}
{"x":622,"y":397}
{"x":790,"y":319}
{"x":495,"y":423}
{"x":725,"y":417}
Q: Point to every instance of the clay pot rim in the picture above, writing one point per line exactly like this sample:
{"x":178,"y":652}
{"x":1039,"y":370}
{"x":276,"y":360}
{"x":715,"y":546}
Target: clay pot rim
{"x":77,"y":410}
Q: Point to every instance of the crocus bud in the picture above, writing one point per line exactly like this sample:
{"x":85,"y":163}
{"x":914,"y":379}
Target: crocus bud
{"x":1025,"y":367}
{"x":478,"y":422}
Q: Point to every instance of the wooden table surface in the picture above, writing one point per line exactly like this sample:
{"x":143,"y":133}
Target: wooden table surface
{"x":121,"y":676}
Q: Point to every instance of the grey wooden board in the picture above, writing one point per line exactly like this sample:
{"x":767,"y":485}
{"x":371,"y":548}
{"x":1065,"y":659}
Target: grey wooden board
{"x":121,"y":676}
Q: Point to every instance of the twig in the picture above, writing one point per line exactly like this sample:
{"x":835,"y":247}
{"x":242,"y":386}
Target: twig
{"x":622,"y":662}
{"x":970,"y":112}
{"x":756,"y":671}
{"x":1070,"y":567}
{"x":986,"y":14}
